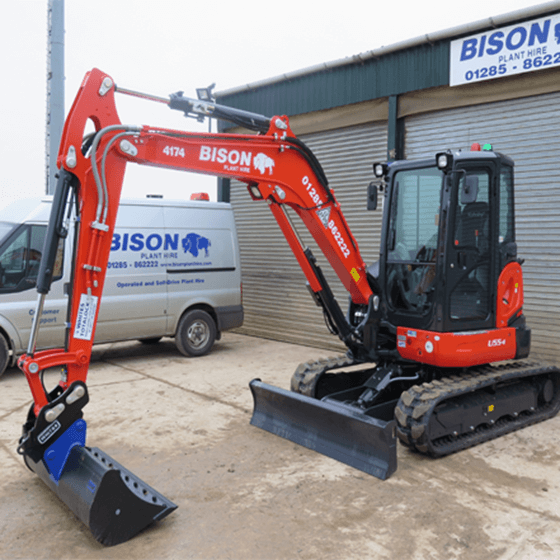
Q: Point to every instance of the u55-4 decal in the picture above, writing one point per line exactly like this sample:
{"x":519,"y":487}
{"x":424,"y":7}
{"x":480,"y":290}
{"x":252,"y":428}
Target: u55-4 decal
{"x":496,"y":342}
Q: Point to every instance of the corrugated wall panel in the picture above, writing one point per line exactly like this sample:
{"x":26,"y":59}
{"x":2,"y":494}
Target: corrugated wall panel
{"x":527,"y":130}
{"x":276,"y":301}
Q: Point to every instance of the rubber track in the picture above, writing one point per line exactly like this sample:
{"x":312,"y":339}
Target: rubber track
{"x":415,"y":407}
{"x":304,"y":379}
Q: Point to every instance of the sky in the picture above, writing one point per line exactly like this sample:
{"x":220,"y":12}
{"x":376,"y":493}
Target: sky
{"x":160,"y":47}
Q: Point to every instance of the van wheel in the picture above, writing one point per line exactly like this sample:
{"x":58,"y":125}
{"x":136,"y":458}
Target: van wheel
{"x":4,"y":354}
{"x":196,"y":333}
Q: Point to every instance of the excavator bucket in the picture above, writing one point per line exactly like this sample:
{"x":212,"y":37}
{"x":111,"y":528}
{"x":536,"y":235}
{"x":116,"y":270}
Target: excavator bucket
{"x":109,"y":499}
{"x":363,"y":442}
{"x":114,"y":503}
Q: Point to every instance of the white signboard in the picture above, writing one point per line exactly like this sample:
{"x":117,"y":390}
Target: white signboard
{"x":523,"y":47}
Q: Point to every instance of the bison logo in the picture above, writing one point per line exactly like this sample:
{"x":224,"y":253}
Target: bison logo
{"x":262,"y":162}
{"x":193,"y":243}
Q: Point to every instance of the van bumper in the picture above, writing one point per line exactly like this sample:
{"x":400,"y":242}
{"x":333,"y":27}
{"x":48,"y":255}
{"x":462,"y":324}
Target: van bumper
{"x":229,"y":317}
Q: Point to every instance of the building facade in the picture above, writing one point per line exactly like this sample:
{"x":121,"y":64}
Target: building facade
{"x":495,"y":81}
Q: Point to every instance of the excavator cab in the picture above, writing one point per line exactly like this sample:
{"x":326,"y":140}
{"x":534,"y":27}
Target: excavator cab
{"x":450,"y":300}
{"x":448,"y":232}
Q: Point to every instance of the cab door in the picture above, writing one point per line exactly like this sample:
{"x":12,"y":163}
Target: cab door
{"x":411,"y":246}
{"x":470,"y":263}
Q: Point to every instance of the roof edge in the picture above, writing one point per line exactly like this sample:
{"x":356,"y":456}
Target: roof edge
{"x":490,"y":22}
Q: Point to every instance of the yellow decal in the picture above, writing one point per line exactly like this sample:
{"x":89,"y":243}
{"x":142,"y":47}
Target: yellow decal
{"x":491,"y":408}
{"x":355,"y":274}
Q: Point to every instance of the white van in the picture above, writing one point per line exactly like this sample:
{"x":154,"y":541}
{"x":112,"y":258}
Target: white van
{"x":173,"y":270}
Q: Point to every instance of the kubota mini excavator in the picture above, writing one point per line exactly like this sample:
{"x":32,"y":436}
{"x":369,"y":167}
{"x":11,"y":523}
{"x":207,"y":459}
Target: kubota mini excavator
{"x":423,"y":324}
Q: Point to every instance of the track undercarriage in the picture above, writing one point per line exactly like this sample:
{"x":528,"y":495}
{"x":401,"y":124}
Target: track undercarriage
{"x":437,"y":411}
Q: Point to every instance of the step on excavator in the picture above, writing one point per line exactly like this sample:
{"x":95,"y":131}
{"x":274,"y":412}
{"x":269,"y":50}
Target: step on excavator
{"x":436,"y":337}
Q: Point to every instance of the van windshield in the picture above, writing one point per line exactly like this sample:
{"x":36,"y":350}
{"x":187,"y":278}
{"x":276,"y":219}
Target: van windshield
{"x":5,"y":229}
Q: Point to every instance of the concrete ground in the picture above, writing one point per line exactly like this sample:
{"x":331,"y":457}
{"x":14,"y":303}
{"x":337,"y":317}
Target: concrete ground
{"x":182,"y":425}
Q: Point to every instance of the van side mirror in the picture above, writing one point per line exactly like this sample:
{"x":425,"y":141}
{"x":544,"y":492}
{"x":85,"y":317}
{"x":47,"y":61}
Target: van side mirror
{"x":372,"y":196}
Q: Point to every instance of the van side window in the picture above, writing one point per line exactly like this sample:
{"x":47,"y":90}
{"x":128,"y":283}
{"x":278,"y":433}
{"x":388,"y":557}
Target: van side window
{"x":20,"y":257}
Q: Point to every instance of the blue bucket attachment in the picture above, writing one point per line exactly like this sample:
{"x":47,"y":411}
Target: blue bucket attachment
{"x":109,"y":499}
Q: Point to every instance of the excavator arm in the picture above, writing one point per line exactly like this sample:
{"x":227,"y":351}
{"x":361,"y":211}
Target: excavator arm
{"x":277,"y":168}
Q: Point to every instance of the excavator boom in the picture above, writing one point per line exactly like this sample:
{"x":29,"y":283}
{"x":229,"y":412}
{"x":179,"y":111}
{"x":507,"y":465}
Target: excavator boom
{"x":277,"y":168}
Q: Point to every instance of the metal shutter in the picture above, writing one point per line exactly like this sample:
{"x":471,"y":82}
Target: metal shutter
{"x":528,"y":130}
{"x":276,"y":302}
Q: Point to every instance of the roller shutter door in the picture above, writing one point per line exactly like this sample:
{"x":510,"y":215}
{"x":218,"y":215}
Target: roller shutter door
{"x":276,"y":302}
{"x":527,"y":130}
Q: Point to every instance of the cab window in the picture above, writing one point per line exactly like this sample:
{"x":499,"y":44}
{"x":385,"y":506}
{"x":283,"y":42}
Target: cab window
{"x":506,"y":206}
{"x":413,"y":238}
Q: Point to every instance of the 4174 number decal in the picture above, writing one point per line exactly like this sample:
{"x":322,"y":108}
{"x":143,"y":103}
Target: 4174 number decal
{"x":174,"y":151}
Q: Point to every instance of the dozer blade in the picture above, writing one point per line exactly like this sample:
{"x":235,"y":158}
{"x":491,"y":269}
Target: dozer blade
{"x":109,"y":499}
{"x":365,"y":443}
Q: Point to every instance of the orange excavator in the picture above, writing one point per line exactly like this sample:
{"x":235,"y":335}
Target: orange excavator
{"x":424,"y":328}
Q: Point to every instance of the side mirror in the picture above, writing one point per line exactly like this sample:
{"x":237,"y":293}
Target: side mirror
{"x":469,"y":192}
{"x":372,"y":196}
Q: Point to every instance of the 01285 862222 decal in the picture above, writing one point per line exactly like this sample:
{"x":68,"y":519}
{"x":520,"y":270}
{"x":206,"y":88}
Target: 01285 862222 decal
{"x":339,"y":239}
{"x":315,"y":197}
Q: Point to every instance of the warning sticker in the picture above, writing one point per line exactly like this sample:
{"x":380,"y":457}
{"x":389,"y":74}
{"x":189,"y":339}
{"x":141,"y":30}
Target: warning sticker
{"x":86,"y":317}
{"x":324,"y":215}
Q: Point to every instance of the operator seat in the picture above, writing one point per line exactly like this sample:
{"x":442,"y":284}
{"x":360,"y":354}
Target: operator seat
{"x":473,"y":227}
